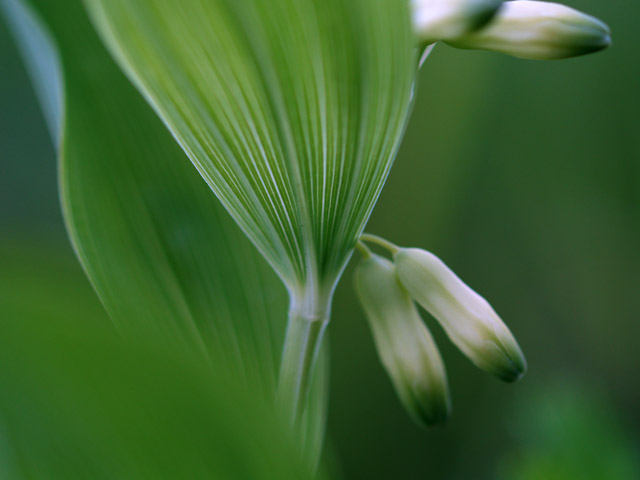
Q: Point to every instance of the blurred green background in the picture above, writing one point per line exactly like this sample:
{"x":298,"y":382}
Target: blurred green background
{"x":525,"y":178}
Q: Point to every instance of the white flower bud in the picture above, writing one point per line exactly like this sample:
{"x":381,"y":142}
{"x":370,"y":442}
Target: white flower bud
{"x":435,"y":20}
{"x":469,"y":321}
{"x":538,"y":31}
{"x":405,"y":346}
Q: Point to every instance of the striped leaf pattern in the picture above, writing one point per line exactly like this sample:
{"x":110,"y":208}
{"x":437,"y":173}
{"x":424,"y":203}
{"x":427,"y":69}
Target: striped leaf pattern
{"x":291,"y":110}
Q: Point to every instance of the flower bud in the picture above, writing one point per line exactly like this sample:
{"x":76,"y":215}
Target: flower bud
{"x":435,"y":20}
{"x":469,"y":321}
{"x":538,"y":31}
{"x":405,"y":346}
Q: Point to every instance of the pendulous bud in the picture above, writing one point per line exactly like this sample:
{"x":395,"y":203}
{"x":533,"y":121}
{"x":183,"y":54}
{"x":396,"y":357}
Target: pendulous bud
{"x":435,"y":20}
{"x":469,"y":321}
{"x":538,"y":31}
{"x":405,"y":346}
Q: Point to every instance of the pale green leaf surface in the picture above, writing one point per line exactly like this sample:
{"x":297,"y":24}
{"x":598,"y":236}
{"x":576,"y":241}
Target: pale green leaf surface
{"x":161,"y":252}
{"x":291,"y":110}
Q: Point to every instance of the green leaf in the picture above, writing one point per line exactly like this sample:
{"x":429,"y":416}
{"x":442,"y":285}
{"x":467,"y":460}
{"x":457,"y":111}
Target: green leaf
{"x":291,"y":110}
{"x":161,"y":252}
{"x":41,"y":280}
{"x":76,"y":402}
{"x":42,"y":61}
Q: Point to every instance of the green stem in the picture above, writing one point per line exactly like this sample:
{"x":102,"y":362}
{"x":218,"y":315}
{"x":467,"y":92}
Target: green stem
{"x":364,"y":250}
{"x":308,"y":319}
{"x":393,"y":248}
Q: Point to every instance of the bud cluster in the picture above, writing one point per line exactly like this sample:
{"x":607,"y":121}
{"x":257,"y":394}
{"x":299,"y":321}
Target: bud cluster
{"x":388,"y":292}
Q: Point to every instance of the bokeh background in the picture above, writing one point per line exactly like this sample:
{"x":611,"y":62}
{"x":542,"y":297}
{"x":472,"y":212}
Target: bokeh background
{"x":525,"y":178}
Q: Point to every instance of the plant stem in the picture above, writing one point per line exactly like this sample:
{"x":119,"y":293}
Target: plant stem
{"x":367,"y":237}
{"x":308,"y":319}
{"x":363,"y":249}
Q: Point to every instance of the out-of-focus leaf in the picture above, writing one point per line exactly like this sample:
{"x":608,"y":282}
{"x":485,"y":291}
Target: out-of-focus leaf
{"x":41,"y":59}
{"x":161,"y":252}
{"x":291,"y":110}
{"x":78,"y":402}
{"x":42,"y":280}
